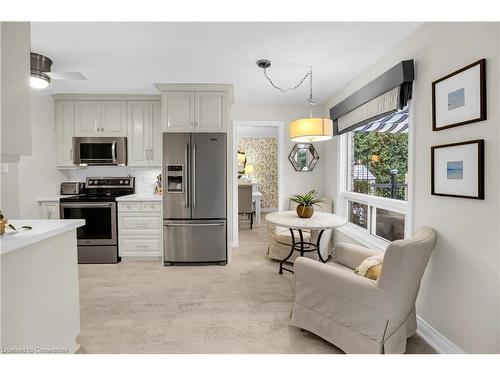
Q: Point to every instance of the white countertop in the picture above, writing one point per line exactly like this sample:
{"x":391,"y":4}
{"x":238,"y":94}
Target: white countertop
{"x":53,"y":198}
{"x":42,"y":229}
{"x":319,"y":220}
{"x":140,"y":197}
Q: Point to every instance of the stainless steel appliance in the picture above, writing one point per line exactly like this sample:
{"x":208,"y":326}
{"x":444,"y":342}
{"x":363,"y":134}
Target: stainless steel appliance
{"x":194,"y":198}
{"x":98,"y":239}
{"x":72,"y":188}
{"x":100,"y":150}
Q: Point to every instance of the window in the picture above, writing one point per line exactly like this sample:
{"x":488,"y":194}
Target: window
{"x":374,"y":178}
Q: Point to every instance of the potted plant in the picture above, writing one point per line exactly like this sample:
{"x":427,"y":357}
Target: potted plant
{"x":305,"y":203}
{"x":3,"y":222}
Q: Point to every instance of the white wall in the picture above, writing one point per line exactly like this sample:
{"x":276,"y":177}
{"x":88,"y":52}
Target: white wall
{"x":38,"y":176}
{"x":294,"y":182}
{"x":460,"y":291}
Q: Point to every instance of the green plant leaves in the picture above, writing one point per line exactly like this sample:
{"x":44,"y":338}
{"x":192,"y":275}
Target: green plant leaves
{"x":308,"y":199}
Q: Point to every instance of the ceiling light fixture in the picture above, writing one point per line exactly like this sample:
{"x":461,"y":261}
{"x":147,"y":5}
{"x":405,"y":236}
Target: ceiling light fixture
{"x":40,"y":65}
{"x":311,"y":129}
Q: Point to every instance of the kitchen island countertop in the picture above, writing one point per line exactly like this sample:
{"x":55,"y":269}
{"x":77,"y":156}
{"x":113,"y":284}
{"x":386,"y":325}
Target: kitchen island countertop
{"x":42,"y":229}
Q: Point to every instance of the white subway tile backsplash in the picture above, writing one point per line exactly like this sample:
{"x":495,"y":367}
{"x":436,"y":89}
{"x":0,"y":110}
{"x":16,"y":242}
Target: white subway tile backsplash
{"x":145,"y":178}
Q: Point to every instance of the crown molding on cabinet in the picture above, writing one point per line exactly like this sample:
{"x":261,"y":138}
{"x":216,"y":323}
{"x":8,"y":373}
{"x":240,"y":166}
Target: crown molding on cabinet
{"x":198,"y":87}
{"x":126,"y":97}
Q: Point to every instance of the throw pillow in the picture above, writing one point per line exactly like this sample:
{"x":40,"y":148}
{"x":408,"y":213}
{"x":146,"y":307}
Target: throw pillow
{"x":370,"y":267}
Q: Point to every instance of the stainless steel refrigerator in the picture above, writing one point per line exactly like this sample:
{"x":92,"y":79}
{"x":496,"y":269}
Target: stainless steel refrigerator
{"x":194,"y":198}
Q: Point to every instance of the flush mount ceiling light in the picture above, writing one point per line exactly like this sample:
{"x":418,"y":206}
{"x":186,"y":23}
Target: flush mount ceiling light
{"x":41,"y":75}
{"x":311,"y":129}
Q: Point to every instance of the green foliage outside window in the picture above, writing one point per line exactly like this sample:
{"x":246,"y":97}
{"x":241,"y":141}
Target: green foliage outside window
{"x":391,"y":150}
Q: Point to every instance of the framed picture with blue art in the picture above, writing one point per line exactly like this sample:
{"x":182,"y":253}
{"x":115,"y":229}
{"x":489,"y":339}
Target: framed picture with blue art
{"x":458,"y":169}
{"x":460,"y":97}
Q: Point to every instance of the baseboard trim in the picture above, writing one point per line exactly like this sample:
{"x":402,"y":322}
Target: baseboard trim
{"x":435,"y":339}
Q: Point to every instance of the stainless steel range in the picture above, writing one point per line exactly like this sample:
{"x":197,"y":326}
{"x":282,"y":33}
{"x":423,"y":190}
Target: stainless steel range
{"x":98,"y":238}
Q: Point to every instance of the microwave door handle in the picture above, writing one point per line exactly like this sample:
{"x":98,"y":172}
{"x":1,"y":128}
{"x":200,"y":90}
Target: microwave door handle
{"x":113,"y":152}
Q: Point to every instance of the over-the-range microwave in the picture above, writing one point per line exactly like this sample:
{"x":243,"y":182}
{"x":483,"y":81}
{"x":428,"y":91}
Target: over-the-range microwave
{"x":100,"y":150}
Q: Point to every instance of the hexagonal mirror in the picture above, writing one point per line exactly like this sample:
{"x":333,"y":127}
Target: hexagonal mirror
{"x":303,"y":157}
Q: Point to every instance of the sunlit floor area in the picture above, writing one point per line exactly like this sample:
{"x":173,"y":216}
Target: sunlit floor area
{"x":244,"y":307}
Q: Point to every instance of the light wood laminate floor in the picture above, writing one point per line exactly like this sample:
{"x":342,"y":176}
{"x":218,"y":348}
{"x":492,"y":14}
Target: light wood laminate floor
{"x":143,"y":307}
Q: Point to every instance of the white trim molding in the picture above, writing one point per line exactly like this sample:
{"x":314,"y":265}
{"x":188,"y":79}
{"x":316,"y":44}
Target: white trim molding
{"x":434,"y":338}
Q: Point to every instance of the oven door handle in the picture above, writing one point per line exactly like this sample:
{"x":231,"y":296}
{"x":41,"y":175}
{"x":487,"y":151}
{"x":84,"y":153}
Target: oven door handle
{"x":85,"y":205}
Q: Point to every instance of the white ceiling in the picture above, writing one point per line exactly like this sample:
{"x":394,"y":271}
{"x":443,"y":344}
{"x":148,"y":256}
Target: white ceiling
{"x":129,"y":58}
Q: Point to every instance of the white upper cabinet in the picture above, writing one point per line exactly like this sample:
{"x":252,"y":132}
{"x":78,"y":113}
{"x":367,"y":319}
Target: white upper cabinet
{"x":138,"y":133}
{"x":195,"y":107}
{"x":64,"y":132}
{"x":210,"y":111}
{"x":87,"y":118}
{"x":100,"y":118}
{"x":113,"y":119}
{"x":144,"y":133}
{"x":178,"y":111}
{"x":156,"y":133}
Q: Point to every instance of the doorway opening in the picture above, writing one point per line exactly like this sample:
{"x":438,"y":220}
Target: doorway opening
{"x":257,"y":172}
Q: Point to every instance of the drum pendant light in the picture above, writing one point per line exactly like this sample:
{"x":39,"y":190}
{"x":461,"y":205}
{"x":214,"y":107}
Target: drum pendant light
{"x":312,"y":129}
{"x":309,"y":129}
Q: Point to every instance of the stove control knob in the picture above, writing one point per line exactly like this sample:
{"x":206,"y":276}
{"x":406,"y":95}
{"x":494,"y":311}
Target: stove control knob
{"x":90,"y":182}
{"x":121,"y":182}
{"x":126,"y":182}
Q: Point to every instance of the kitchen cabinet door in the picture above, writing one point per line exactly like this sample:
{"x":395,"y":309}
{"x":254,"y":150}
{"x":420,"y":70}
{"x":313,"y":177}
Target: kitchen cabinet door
{"x":87,"y":118}
{"x":65,"y":131}
{"x":49,"y":210}
{"x":138,"y":133}
{"x":210,"y":112}
{"x":156,"y":134}
{"x":178,"y":111}
{"x":113,"y":119}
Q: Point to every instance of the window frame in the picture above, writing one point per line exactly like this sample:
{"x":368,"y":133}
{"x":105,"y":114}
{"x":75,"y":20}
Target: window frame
{"x":361,"y":235}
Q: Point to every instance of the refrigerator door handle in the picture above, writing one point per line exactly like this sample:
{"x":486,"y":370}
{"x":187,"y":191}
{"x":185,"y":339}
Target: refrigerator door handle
{"x":195,"y":225}
{"x":186,"y":174}
{"x":194,"y":175}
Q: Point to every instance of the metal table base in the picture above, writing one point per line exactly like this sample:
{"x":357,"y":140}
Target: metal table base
{"x":303,"y":247}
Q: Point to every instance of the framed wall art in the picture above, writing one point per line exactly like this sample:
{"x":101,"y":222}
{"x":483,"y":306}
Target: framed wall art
{"x":460,"y":97}
{"x":457,"y":169}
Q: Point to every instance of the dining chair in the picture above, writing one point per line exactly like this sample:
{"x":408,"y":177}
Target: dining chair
{"x":245,"y":202}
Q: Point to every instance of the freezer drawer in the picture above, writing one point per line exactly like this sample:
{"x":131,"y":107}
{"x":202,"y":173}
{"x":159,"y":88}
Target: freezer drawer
{"x":194,"y":241}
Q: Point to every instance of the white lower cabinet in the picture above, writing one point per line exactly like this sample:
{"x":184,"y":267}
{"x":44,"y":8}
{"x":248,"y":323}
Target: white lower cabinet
{"x":49,"y":210}
{"x":140,"y":225}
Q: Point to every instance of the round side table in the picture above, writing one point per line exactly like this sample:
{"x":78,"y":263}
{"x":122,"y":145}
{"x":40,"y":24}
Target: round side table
{"x":316,"y":224}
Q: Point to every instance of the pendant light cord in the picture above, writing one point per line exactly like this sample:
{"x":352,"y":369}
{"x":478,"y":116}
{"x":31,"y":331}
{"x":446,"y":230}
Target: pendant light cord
{"x":309,"y":74}
{"x":291,"y":88}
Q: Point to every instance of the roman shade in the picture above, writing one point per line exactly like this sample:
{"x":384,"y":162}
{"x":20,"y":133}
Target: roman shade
{"x":396,"y":122}
{"x":387,"y":94}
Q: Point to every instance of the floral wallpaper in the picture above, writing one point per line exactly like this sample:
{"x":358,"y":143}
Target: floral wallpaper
{"x":262,"y":153}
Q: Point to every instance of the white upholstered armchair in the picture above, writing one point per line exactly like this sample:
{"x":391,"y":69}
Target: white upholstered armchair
{"x":357,"y":314}
{"x":280,"y":239}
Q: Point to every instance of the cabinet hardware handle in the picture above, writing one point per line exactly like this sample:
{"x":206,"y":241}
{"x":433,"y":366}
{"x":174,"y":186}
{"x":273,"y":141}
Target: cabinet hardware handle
{"x":70,"y":154}
{"x":151,"y":157}
{"x":141,"y":246}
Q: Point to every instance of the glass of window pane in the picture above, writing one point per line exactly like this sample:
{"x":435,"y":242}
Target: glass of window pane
{"x":358,"y":214}
{"x":379,"y":160}
{"x":390,"y":224}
